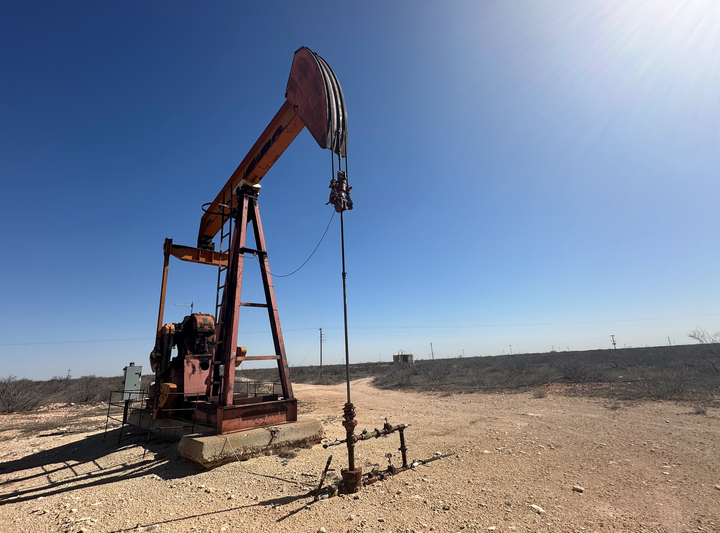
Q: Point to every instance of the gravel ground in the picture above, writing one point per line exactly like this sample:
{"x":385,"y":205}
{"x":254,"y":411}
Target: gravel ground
{"x":519,"y":463}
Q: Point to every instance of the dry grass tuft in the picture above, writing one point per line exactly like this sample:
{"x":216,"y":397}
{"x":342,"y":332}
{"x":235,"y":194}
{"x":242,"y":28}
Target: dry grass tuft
{"x":699,"y":409}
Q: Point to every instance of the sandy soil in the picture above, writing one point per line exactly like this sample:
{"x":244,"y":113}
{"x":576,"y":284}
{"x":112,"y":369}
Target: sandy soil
{"x":650,"y":467}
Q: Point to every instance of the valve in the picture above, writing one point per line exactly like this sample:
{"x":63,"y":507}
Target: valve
{"x":340,"y":193}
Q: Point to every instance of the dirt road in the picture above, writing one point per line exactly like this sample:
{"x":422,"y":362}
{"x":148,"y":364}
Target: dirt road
{"x":585,"y":465}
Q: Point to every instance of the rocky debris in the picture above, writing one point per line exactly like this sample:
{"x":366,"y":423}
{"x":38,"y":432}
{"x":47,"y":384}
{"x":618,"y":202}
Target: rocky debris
{"x":537,"y":509}
{"x":578,"y":488}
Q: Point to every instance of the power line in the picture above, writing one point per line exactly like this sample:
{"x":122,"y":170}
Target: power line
{"x":76,"y":342}
{"x":357,"y":328}
{"x":538,"y":324}
{"x":87,"y":341}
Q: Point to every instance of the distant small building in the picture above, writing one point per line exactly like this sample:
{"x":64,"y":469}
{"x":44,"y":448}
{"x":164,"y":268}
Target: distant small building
{"x":402,"y":357}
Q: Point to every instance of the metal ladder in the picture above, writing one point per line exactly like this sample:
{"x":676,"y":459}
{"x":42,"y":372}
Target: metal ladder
{"x":224,"y":245}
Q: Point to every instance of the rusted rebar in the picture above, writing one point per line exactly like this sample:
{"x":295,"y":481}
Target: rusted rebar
{"x":322,"y":479}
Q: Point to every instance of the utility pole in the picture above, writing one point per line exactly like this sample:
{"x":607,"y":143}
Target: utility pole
{"x":432,"y":354}
{"x":510,"y":348}
{"x":613,"y":341}
{"x":321,"y":343}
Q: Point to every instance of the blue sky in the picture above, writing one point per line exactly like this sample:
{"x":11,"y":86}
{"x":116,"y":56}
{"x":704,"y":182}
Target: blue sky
{"x":537,"y":174}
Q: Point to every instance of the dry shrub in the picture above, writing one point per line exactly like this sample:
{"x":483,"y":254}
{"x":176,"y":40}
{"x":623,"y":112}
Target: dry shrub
{"x":579,"y":369}
{"x":87,"y":389}
{"x":663,"y":383}
{"x":540,"y":392}
{"x":287,"y":452}
{"x":705,"y":357}
{"x":614,"y":405}
{"x":700,"y":409}
{"x":18,"y":395}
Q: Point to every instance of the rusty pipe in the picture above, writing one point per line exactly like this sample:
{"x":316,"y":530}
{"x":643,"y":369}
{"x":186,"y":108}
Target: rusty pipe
{"x":403,"y":448}
{"x":367,"y":435}
{"x":352,"y":477}
{"x":350,"y":424}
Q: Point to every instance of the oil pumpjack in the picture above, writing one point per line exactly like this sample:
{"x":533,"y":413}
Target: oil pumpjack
{"x":200,"y":378}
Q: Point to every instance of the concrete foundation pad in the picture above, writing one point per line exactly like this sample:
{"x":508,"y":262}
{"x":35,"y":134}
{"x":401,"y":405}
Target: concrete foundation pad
{"x":214,"y":450}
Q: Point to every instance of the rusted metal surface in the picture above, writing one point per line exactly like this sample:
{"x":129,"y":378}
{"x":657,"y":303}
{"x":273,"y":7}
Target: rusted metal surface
{"x":282,"y":130}
{"x":349,"y":423}
{"x":314,"y":99}
{"x":231,"y":418}
{"x":257,"y":358}
{"x":316,"y":495}
{"x":208,"y":352}
{"x":351,"y":482}
{"x":273,"y":314}
{"x":403,"y":448}
{"x":196,"y":376}
{"x":188,"y":373}
{"x":352,"y":479}
{"x":340,"y":193}
{"x":163,"y":287}
{"x":367,"y":435}
{"x":315,"y":93}
{"x":167,"y":394}
{"x":227,"y":327}
{"x":160,"y":356}
{"x":197,"y":255}
{"x":351,"y":475}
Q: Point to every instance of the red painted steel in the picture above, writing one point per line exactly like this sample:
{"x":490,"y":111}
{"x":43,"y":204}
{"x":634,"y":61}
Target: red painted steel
{"x":313,"y":98}
{"x":163,"y":287}
{"x":231,"y":418}
{"x":227,"y":329}
{"x":273,"y":315}
{"x":195,"y":379}
{"x":316,"y":96}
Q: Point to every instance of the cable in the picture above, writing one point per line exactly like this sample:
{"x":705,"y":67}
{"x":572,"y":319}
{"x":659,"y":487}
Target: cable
{"x":76,"y":342}
{"x":308,"y":259}
{"x":308,"y":352}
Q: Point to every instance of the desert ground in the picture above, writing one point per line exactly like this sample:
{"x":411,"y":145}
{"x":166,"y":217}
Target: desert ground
{"x":518,"y":462}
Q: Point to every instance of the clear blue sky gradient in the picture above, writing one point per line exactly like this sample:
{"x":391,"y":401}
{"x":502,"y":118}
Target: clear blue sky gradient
{"x":537,"y":174}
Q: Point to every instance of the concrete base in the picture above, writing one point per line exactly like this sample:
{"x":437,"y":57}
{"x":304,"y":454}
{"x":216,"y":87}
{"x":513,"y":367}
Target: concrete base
{"x":214,"y":450}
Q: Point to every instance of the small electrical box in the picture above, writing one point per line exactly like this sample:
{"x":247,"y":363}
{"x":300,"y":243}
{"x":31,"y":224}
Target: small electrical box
{"x":132,"y":377}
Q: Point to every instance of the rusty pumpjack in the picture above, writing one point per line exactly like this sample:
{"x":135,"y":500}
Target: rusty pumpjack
{"x":200,"y":378}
